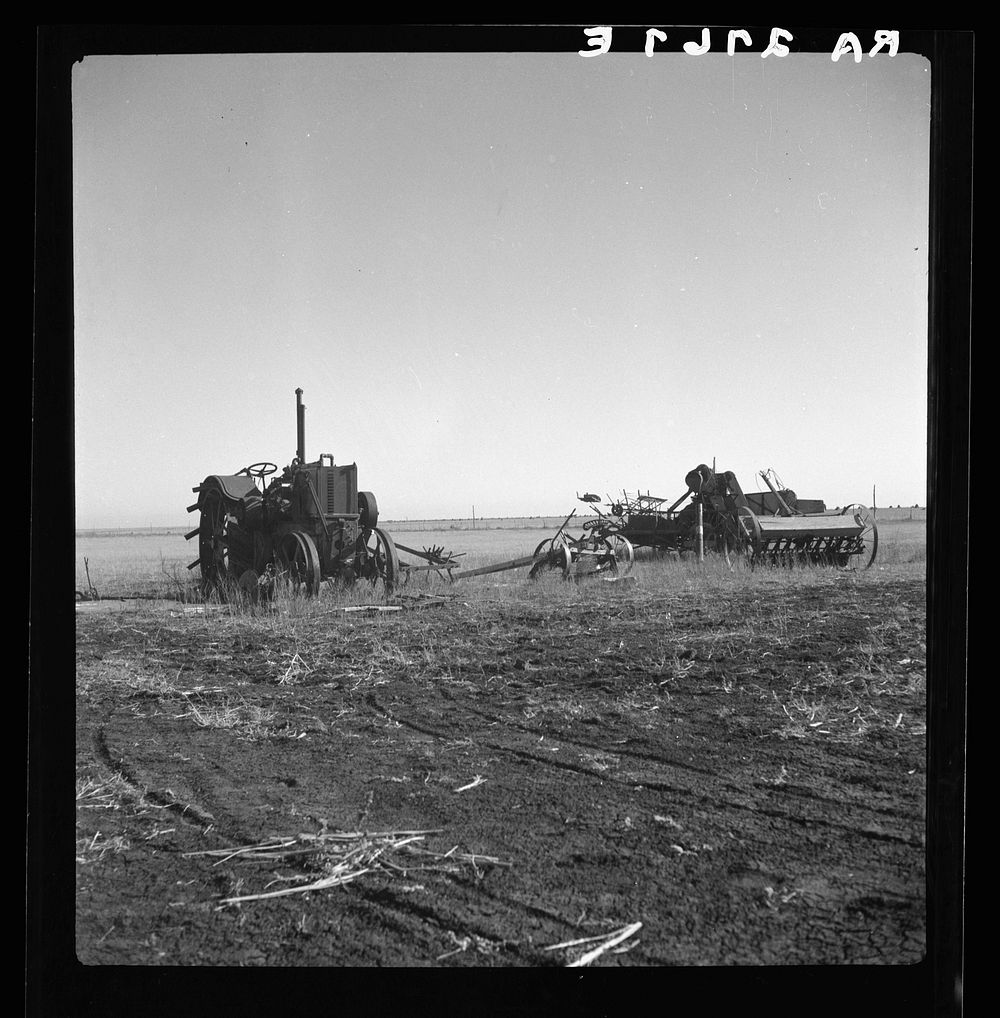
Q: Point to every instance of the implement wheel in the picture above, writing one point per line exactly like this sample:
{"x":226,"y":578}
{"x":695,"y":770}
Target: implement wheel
{"x":726,"y":538}
{"x":608,"y":552}
{"x":377,"y":560}
{"x":557,"y":557}
{"x":748,"y":536}
{"x":624,"y":553}
{"x":869,"y":536}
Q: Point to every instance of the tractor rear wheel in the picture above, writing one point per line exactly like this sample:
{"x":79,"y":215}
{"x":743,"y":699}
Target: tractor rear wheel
{"x":221,"y":563}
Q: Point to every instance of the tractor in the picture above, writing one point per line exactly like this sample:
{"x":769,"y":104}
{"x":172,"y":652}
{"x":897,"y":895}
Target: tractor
{"x":306,"y":525}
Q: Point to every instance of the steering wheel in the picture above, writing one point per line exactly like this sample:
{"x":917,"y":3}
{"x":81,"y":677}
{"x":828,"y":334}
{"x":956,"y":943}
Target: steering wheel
{"x":261,"y":470}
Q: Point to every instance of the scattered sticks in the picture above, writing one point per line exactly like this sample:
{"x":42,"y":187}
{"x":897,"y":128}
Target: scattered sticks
{"x":607,"y":941}
{"x":295,"y":669}
{"x":343,"y":857}
{"x":91,"y":588}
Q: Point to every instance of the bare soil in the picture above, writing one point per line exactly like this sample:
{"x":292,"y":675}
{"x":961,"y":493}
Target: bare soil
{"x":742,"y":772}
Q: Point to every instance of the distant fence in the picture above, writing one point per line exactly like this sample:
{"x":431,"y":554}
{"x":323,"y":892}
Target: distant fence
{"x":887,"y":514}
{"x":394,"y":526}
{"x":133,"y":532}
{"x":900,"y":512}
{"x":488,"y":523}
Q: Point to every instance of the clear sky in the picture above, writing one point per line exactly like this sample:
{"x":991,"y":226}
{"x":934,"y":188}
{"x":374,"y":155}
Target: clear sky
{"x":500,"y":278}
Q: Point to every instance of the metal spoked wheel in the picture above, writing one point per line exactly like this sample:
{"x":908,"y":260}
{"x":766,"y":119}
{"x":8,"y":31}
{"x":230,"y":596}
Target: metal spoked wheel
{"x":593,"y":553}
{"x":748,"y":536}
{"x":598,"y":553}
{"x":557,"y":556}
{"x":869,"y":535}
{"x":624,"y":553}
{"x":213,"y":555}
{"x":729,"y":540}
{"x":377,"y":560}
{"x":298,"y":561}
{"x":220,"y":565}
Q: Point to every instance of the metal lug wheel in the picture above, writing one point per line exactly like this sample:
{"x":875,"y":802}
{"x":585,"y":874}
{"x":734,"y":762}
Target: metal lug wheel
{"x":220,"y":567}
{"x":298,"y":561}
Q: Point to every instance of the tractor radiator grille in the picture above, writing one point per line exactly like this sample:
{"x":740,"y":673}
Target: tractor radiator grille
{"x":337,"y":489}
{"x":331,"y":492}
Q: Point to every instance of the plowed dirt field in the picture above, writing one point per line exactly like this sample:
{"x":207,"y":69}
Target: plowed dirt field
{"x":481,"y":776}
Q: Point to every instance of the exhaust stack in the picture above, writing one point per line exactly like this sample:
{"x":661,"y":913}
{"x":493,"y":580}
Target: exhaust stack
{"x":300,"y":420}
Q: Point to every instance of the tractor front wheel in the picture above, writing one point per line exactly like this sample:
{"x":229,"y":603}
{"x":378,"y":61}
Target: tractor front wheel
{"x":298,"y":561}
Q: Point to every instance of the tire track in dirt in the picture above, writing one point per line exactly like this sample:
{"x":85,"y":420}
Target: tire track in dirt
{"x":711,"y":803}
{"x":188,"y":812}
{"x":194,"y":815}
{"x":407,"y":723}
{"x":523,"y":754}
{"x":808,"y":793}
{"x":457,"y":921}
{"x":809,"y":821}
{"x":634,"y":753}
{"x":753,"y":805}
{"x":406,"y":907}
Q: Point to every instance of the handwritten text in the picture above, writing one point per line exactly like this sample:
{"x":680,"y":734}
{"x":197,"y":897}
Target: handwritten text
{"x":599,"y":42}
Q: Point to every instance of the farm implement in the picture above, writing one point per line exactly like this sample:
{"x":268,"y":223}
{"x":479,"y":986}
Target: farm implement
{"x":311,"y":524}
{"x":772,"y":526}
{"x":575,"y":557}
{"x":307,"y":525}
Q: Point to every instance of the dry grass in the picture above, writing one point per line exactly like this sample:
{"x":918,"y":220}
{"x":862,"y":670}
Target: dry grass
{"x":156,"y":565}
{"x":332,"y":859}
{"x":109,"y":793}
{"x":130,"y":675}
{"x":848,"y":688}
{"x":98,"y":846}
{"x":111,"y":802}
{"x":245,"y":719}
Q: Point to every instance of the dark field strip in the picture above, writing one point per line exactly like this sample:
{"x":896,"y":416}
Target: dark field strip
{"x":736,"y":763}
